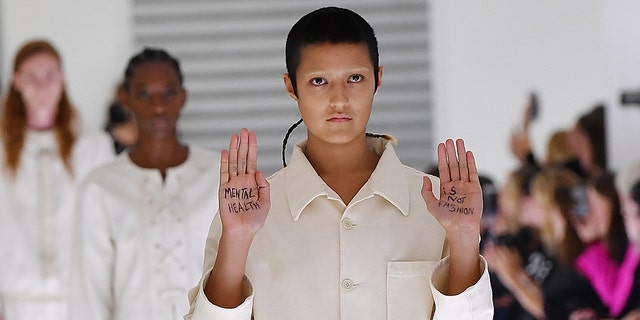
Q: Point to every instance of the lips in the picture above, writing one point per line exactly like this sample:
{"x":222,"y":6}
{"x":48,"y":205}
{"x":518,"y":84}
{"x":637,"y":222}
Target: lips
{"x":161,"y":123}
{"x":339,"y":119}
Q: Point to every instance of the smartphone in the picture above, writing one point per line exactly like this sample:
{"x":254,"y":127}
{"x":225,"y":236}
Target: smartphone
{"x":580,"y":201}
{"x":534,"y":107}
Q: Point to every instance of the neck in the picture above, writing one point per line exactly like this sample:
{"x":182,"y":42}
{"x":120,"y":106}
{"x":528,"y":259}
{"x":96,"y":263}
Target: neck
{"x":348,"y":158}
{"x":158,"y":154}
{"x":345,"y":168}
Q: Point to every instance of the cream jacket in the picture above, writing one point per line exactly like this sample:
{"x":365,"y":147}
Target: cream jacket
{"x":140,"y":240}
{"x":319,"y":258}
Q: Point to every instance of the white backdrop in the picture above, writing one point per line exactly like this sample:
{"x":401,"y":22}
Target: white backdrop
{"x":623,"y":58}
{"x":487,"y":56}
{"x":93,"y":36}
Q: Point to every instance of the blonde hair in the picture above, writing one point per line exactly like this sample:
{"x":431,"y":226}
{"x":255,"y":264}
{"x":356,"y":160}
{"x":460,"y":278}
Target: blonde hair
{"x":552,"y":187}
{"x":558,"y":150}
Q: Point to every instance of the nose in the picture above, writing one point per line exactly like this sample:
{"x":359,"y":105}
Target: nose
{"x":339,"y":98}
{"x":158,"y":103}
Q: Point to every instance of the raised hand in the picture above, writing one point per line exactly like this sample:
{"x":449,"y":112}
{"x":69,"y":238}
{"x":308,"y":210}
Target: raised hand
{"x":244,"y":203}
{"x":459,"y":207}
{"x":244,"y":191}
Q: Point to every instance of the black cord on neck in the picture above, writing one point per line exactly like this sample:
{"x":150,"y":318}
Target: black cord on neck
{"x":286,"y":138}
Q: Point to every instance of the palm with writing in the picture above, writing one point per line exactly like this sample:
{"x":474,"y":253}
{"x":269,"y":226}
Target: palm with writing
{"x":459,"y":208}
{"x":244,"y":191}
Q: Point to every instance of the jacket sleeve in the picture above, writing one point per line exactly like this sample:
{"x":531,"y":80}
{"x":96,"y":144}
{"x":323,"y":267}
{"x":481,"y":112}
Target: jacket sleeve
{"x":476,"y":302}
{"x":92,"y":259}
{"x":200,"y":306}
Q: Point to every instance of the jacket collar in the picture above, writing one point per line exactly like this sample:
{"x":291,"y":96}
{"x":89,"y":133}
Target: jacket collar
{"x":388,"y":180}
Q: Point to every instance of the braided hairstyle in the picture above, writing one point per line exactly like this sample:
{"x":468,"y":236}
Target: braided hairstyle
{"x":150,"y":55}
{"x":327,"y":25}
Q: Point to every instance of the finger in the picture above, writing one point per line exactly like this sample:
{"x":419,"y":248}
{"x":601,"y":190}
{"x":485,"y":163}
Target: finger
{"x":454,"y":168}
{"x":233,"y":155}
{"x":242,"y":151}
{"x":427,"y":191}
{"x":224,"y":167}
{"x":473,"y":169}
{"x":263,"y":188}
{"x":252,"y":157}
{"x":443,"y":167}
{"x":462,"y":159}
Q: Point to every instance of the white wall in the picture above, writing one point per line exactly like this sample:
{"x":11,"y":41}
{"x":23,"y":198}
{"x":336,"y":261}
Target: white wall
{"x":489,"y":54}
{"x":93,"y":36}
{"x":623,"y":73}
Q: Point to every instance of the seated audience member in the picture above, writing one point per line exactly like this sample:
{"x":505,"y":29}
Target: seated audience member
{"x":507,"y":236}
{"x":607,"y":261}
{"x":558,"y":151}
{"x":587,"y":139}
{"x":546,"y":283}
{"x":628,"y":185}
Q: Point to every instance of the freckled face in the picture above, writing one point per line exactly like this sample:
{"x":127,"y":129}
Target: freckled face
{"x":155,"y":98}
{"x":336,"y":86}
{"x":40,"y":82}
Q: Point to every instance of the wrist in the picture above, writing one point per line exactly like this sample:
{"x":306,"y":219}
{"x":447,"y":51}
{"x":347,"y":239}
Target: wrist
{"x":464,"y":247}
{"x":239,"y":240}
{"x":464,"y":235}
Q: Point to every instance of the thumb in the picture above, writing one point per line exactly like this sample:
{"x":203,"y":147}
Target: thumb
{"x":427,"y":192}
{"x":263,"y":187}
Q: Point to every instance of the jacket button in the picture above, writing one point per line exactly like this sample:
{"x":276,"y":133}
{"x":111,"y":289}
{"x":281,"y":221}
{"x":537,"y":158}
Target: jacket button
{"x":347,"y":284}
{"x":347,"y":223}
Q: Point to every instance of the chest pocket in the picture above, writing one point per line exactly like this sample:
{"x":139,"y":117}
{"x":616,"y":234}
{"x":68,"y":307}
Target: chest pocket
{"x":408,"y":292}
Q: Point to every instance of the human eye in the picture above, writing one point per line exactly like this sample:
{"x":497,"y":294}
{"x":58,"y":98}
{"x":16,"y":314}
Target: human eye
{"x":51,"y":77}
{"x":355,"y":78}
{"x":143,"y":95}
{"x":170,"y":93}
{"x":317,"y":81}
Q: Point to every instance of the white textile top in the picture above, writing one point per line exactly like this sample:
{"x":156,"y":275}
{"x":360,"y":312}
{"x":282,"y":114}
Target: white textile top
{"x":319,"y":258}
{"x":140,"y":241}
{"x":36,"y":214}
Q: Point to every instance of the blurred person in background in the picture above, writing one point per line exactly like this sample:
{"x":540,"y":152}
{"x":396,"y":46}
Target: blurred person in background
{"x":628,"y":186}
{"x":588,"y":141}
{"x":142,"y":220}
{"x":45,"y":153}
{"x":558,"y":149}
{"x":121,"y":125}
{"x":546,"y":283}
{"x":507,"y":235}
{"x":607,"y":261}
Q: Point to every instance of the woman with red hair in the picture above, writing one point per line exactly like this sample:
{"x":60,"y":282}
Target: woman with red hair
{"x":44,"y":154}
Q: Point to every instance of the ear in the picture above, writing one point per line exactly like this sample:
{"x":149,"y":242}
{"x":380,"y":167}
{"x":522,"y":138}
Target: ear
{"x":185,"y":95}
{"x":288,"y":85}
{"x":380,"y":72}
